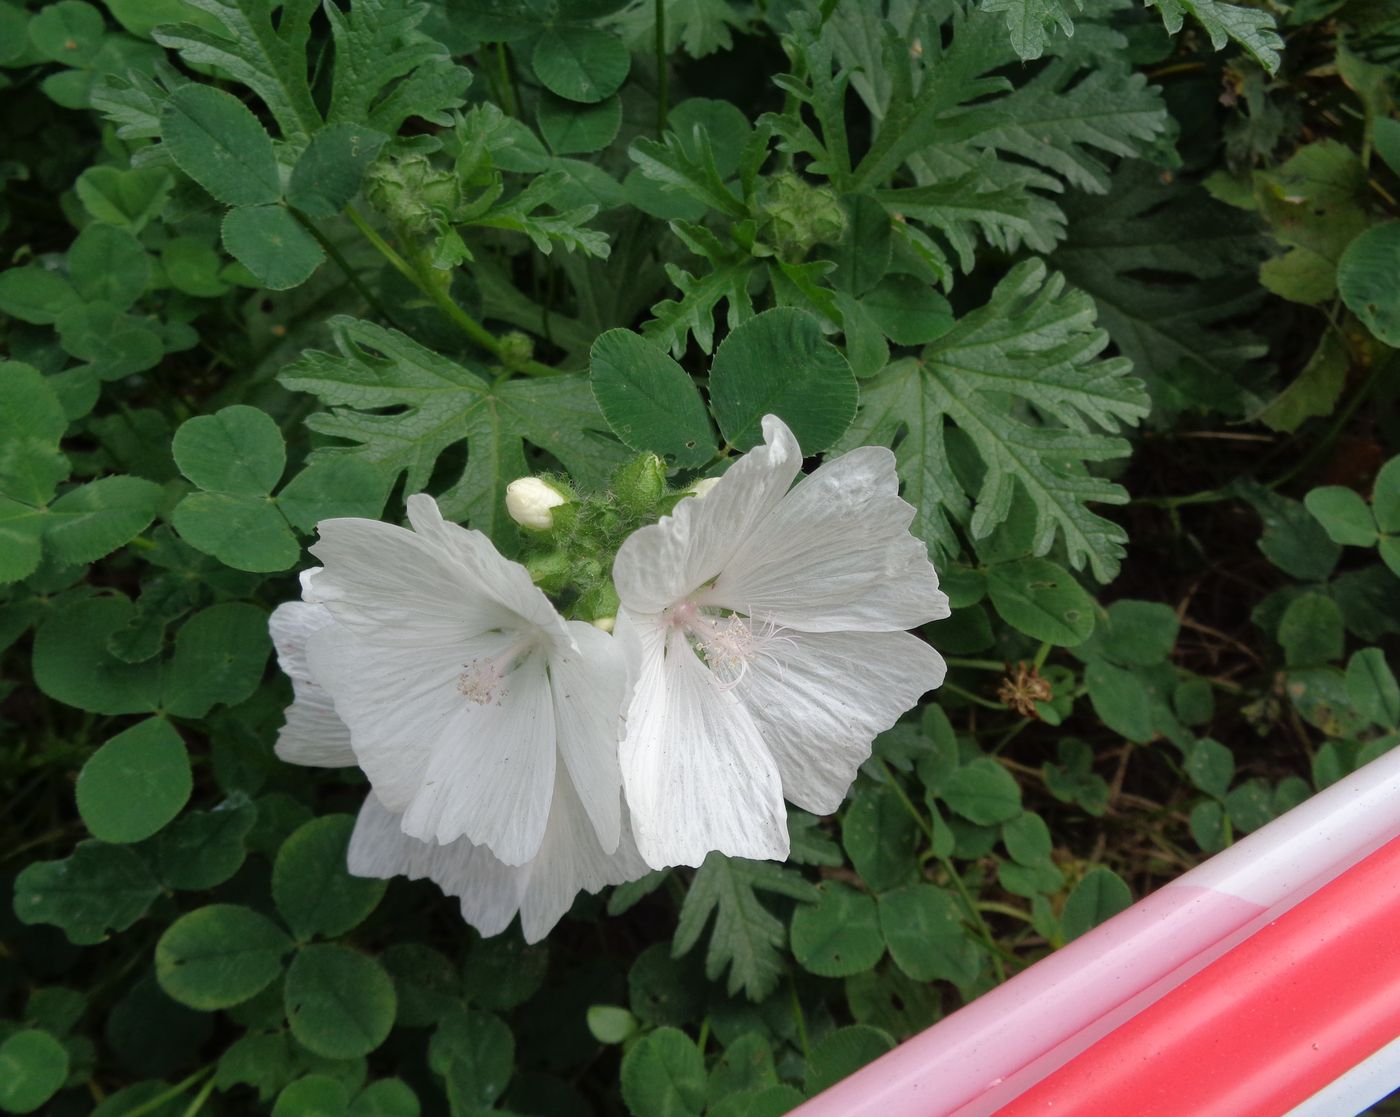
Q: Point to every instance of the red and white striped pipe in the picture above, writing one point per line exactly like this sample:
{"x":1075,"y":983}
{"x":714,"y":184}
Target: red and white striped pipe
{"x":1261,"y":983}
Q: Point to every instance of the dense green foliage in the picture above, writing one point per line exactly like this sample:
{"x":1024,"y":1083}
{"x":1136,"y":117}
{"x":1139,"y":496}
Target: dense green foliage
{"x":1124,"y":302}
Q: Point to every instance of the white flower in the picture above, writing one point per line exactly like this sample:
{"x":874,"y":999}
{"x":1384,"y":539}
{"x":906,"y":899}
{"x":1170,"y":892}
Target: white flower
{"x":530,"y":501}
{"x":766,"y":634}
{"x":395,"y":611}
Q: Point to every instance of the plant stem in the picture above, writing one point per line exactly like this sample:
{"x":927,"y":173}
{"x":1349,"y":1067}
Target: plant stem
{"x":953,"y":688}
{"x":976,"y":664}
{"x":507,"y":84}
{"x":199,"y":1099}
{"x":174,"y":1092}
{"x":338,"y":258}
{"x":979,"y":924}
{"x":663,"y":76}
{"x":421,"y":273}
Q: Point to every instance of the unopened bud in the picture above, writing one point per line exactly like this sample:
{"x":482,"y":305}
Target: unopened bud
{"x":605,"y":623}
{"x":530,"y":500}
{"x":640,"y":483}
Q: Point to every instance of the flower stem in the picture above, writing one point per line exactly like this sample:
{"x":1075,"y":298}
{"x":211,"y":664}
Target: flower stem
{"x":175,"y":1091}
{"x":338,"y":258}
{"x":421,"y":273}
{"x":979,"y":924}
{"x":953,"y":688}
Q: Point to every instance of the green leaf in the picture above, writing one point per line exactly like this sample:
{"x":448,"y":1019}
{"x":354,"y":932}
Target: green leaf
{"x":1343,"y":514}
{"x":923,"y":927}
{"x":95,"y":519}
{"x":311,"y":887}
{"x":340,"y":1003}
{"x":1368,"y":279}
{"x":778,"y":362}
{"x":1211,"y":767}
{"x":125,"y":198}
{"x":880,"y":838}
{"x":33,"y":1067}
{"x":117,"y":344}
{"x":1098,"y":897}
{"x":1316,"y":389}
{"x":570,"y":129}
{"x":135,"y":783}
{"x":475,"y":1053}
{"x":1293,"y":540}
{"x":387,"y":1097}
{"x":650,"y":402}
{"x":31,"y":424}
{"x":35,"y":294}
{"x":1168,"y":266}
{"x":663,"y":989}
{"x":108,"y":263}
{"x":1385,"y":497}
{"x":219,"y":657}
{"x":268,"y":241}
{"x":98,"y":888}
{"x":908,"y":310}
{"x":1137,"y":633}
{"x":1120,"y":700}
{"x":747,"y":937}
{"x":843,"y":1052}
{"x":746,"y":1064}
{"x":70,"y":32}
{"x":332,"y":487}
{"x":762,"y":1101}
{"x":316,"y":1095}
{"x":442,"y":404}
{"x":663,"y":1075}
{"x":1033,"y":340}
{"x":1311,"y":630}
{"x":839,"y":935}
{"x":21,"y":532}
{"x":220,"y":955}
{"x":328,"y":174}
{"x":580,"y":63}
{"x":1062,"y":115}
{"x":1372,"y":688}
{"x":236,"y":450}
{"x":266,"y":54}
{"x":202,"y":849}
{"x":611,"y":1024}
{"x":72,"y":663}
{"x":193,"y":267}
{"x":387,"y":69}
{"x":982,"y":791}
{"x":244,"y":532}
{"x":1041,"y":599}
{"x":218,"y":142}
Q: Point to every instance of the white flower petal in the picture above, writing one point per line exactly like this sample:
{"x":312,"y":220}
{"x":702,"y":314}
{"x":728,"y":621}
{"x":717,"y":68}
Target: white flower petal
{"x":588,"y":693}
{"x":398,"y":587}
{"x":661,"y":564}
{"x":491,"y":892}
{"x":697,"y":774}
{"x":380,"y":849}
{"x":836,"y":554}
{"x":454,"y":767}
{"x":821,"y":698}
{"x":491,"y":781}
{"x":314,"y":734}
{"x":488,"y":571}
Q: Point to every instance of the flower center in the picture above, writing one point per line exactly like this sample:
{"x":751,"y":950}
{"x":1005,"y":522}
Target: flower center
{"x":483,"y":678}
{"x":730,"y":643}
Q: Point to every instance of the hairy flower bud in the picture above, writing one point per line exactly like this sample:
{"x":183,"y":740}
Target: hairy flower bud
{"x":640,"y":483}
{"x":530,"y":500}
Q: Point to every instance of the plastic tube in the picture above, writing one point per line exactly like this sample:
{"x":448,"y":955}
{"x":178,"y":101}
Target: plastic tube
{"x":1358,"y":1089}
{"x":983,"y":1056}
{"x":1263,"y":1028}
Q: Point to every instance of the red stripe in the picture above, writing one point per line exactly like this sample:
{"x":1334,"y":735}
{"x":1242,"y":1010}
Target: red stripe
{"x":1262,"y":1028}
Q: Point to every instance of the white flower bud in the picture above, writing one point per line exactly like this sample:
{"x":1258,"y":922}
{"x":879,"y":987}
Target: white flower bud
{"x":529,"y":500}
{"x":605,"y":623}
{"x":703,"y":486}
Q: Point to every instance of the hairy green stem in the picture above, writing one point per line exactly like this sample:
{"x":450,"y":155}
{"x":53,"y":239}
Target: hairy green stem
{"x":338,"y":258}
{"x":419,"y":271}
